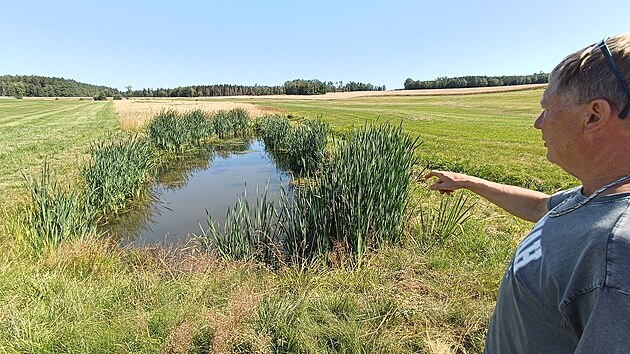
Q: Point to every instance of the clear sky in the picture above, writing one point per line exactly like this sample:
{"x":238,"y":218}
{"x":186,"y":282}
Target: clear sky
{"x":151,"y":44}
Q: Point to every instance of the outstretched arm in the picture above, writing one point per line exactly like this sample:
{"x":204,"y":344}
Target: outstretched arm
{"x":523,"y":203}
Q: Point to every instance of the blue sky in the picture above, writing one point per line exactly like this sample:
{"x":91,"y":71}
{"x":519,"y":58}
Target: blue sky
{"x":151,"y":44}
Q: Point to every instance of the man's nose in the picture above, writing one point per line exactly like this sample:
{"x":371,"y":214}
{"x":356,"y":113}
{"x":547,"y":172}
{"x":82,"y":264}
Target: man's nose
{"x":538,"y":121}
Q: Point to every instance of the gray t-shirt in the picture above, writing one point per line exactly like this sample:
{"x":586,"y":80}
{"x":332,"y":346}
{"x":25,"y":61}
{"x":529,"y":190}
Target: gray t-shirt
{"x":567,"y":289}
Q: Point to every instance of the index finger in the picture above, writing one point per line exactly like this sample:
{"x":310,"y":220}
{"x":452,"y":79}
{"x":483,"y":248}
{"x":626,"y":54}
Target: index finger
{"x":434,"y":173}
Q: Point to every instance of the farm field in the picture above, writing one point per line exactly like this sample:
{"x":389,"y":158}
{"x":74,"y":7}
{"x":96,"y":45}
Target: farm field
{"x":433,"y":296}
{"x":60,"y":131}
{"x":489,"y":135}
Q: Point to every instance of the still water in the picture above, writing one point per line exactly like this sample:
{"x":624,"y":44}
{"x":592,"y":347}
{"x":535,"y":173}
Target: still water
{"x":209,"y":180}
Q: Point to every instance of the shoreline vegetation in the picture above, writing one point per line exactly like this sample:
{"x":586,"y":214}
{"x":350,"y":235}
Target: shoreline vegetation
{"x":430,"y":286}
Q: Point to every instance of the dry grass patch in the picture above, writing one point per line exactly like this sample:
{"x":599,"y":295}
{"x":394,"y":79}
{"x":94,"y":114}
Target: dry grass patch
{"x":135,"y":113}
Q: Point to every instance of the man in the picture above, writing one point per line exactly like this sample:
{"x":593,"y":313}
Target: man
{"x":567,"y":290}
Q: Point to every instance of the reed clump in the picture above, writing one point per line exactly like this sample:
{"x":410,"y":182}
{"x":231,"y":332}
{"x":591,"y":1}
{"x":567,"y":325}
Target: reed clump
{"x":248,"y":233}
{"x":56,"y":214}
{"x":272,"y":129}
{"x":165,"y":131}
{"x":357,"y":200}
{"x":230,"y":124}
{"x":299,"y":148}
{"x":172,"y":131}
{"x":117,"y":172}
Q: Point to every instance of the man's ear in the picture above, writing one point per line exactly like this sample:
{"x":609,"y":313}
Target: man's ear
{"x":599,"y":111}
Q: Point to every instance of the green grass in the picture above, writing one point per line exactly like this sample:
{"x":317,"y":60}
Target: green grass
{"x":490,"y":135}
{"x":424,"y":296}
{"x":59,"y":131}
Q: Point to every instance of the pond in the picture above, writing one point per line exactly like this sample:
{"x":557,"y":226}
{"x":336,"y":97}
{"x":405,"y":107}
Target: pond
{"x":211,"y":179}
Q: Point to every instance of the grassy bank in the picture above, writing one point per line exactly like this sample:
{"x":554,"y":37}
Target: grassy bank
{"x":433,"y":294}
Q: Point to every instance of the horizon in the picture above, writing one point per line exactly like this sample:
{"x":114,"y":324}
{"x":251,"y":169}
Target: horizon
{"x":159,"y":44}
{"x":218,"y":84}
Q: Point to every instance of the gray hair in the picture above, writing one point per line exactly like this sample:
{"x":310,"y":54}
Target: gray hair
{"x":586,"y":75}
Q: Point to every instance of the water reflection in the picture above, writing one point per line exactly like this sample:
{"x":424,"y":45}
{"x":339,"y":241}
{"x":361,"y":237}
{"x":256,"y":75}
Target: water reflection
{"x":207,"y":179}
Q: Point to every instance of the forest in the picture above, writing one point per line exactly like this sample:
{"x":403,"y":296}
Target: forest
{"x":42,"y":86}
{"x":293,"y":87}
{"x":476,"y":81}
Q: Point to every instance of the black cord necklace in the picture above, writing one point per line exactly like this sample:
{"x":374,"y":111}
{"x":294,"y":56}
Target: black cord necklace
{"x":554,"y":213}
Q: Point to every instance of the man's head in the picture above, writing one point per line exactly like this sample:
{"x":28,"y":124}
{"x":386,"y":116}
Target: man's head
{"x":580,"y":122}
{"x":588,"y":74}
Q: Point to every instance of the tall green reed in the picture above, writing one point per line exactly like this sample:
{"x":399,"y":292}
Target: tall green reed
{"x":300,"y":148}
{"x":165,"y":131}
{"x":246,"y":233}
{"x":117,"y":172}
{"x":195,"y":126}
{"x":272,"y":129}
{"x":230,"y":124}
{"x":444,"y":220}
{"x":56,"y":213}
{"x":355,"y":203}
{"x":364,"y":188}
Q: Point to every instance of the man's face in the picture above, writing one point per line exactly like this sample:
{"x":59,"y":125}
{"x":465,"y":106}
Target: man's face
{"x":560,"y":128}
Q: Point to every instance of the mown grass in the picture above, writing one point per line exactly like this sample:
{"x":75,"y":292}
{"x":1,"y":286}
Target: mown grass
{"x":489,"y":135}
{"x":32,"y":131}
{"x":428,"y":295}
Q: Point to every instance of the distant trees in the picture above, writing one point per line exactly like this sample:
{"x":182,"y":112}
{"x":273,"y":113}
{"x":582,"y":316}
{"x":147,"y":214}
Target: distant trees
{"x":209,"y":91}
{"x":352,"y":86}
{"x":293,"y":87}
{"x":41,"y":86}
{"x":304,"y":87}
{"x":476,"y":81}
{"x":102,"y":96}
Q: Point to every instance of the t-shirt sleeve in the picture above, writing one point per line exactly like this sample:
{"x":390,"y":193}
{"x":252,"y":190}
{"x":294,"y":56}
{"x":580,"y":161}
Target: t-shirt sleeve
{"x":600,"y":319}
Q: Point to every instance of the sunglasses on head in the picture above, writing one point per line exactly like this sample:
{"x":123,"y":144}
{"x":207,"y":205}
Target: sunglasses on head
{"x":613,"y":66}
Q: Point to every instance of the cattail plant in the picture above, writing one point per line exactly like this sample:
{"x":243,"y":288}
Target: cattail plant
{"x":230,"y":124}
{"x":56,"y":213}
{"x":272,"y":129}
{"x":298,"y":148}
{"x":164,"y":131}
{"x":356,"y":201}
{"x":117,"y":172}
{"x":246,"y":233}
{"x":364,"y":188}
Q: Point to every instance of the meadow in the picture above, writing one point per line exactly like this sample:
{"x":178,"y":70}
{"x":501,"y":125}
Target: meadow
{"x":434,"y":293}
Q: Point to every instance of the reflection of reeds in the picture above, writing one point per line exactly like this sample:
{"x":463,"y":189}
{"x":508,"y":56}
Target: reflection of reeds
{"x":173,"y":170}
{"x":57,"y":213}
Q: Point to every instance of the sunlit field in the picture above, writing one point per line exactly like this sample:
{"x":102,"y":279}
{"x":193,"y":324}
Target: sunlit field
{"x":432,"y":291}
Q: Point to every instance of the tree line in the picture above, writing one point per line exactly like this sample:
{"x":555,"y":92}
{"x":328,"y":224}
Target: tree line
{"x":476,"y":81}
{"x":293,"y":87}
{"x":41,"y":86}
